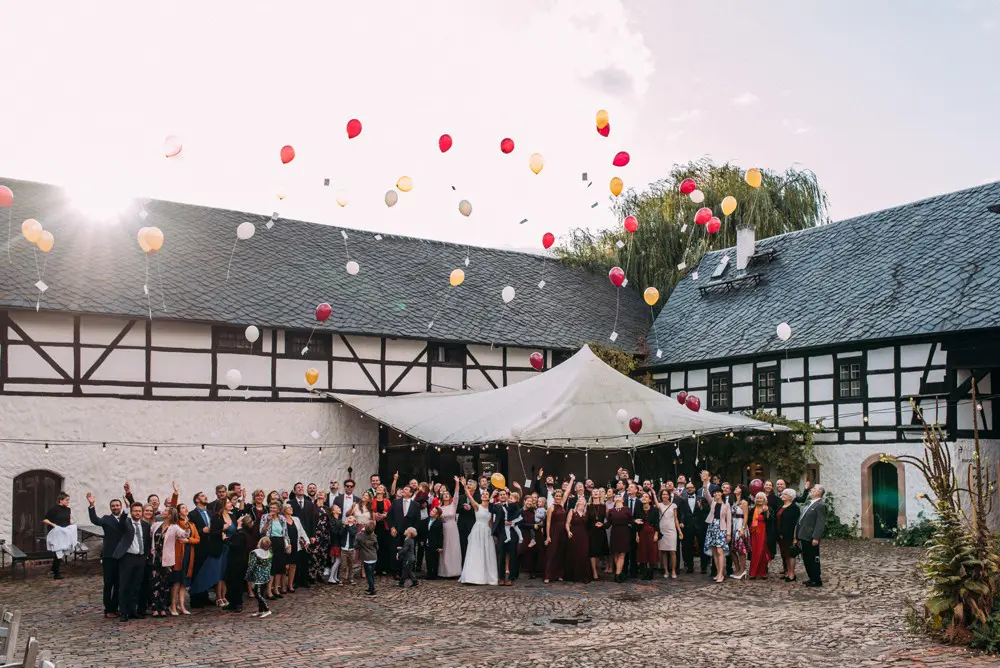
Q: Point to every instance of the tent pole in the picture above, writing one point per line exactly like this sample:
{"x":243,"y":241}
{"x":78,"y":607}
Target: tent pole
{"x":586,"y":464}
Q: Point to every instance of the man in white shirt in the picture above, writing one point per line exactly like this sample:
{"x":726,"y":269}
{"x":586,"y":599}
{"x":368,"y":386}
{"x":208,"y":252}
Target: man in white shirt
{"x":346,"y":500}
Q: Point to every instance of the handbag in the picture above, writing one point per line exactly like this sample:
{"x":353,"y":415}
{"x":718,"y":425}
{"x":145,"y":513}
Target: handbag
{"x":794,"y":551}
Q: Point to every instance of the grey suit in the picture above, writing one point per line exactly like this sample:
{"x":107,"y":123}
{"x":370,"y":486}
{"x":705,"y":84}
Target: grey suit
{"x":811,"y":526}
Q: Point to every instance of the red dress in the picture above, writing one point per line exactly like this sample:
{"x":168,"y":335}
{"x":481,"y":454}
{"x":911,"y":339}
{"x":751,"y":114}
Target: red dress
{"x":648,"y":551}
{"x":621,"y":533}
{"x":578,"y":550}
{"x":556,"y":549}
{"x":760,"y":557}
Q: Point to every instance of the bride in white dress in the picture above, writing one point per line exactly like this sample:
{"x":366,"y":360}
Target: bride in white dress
{"x":481,"y":555}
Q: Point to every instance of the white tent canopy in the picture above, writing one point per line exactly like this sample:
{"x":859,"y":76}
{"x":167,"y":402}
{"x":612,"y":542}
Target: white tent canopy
{"x":574,"y":405}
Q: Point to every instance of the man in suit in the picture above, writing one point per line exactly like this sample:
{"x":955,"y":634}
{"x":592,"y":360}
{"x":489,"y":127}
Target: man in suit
{"x":346,"y":500}
{"x":633,"y":502}
{"x":201,"y":522}
{"x":432,"y":533}
{"x":221,"y":492}
{"x":374,"y":481}
{"x":404,"y":514}
{"x":303,"y":508}
{"x":109,"y":564}
{"x":466,"y":514}
{"x":809,"y":532}
{"x":132,"y":553}
{"x":686,"y":502}
{"x":506,"y":518}
{"x":703,"y":507}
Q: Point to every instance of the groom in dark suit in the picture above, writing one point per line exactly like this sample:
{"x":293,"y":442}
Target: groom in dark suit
{"x":466,"y":514}
{"x":506,"y":518}
{"x":132,"y":554}
{"x":404,"y":514}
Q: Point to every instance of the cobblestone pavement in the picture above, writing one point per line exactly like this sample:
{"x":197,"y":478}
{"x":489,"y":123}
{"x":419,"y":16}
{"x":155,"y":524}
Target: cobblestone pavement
{"x":855,"y":620}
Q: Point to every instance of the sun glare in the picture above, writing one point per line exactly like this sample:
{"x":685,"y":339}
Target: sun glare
{"x":99,"y":202}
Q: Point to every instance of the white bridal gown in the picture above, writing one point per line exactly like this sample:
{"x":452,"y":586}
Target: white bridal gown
{"x":481,"y":555}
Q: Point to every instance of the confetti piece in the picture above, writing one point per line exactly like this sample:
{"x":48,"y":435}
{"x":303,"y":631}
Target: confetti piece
{"x":304,"y":350}
{"x":523,"y":221}
{"x":694,"y":276}
{"x":274,"y":216}
{"x":343,"y":233}
{"x":453,"y":187}
{"x":378,"y":237}
{"x":585,"y":178}
{"x":614,"y":336}
{"x":42,"y":287}
{"x":659,"y":353}
{"x":246,"y":394}
{"x":430,"y":324}
{"x":590,"y":184}
{"x":725,"y":259}
{"x":684,"y":228}
{"x":314,"y":434}
{"x":541,"y":284}
{"x":466,"y":261}
{"x":143,"y":214}
{"x":269,"y":224}
{"x":326,"y":182}
{"x":682,"y":266}
{"x":624,"y":282}
{"x":594,"y":205}
{"x":145,"y":288}
{"x":620,"y":244}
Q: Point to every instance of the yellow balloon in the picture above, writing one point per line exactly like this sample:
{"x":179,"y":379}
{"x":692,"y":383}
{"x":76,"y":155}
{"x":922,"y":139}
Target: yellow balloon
{"x":498,"y":481}
{"x":154,"y":239}
{"x":536,"y":162}
{"x":31,"y":229}
{"x":602,"y":119}
{"x":616,"y":186}
{"x":753,"y":177}
{"x":342,"y":199}
{"x":651,"y":295}
{"x":46,"y":241}
{"x":404,"y":184}
{"x":457,"y":278}
{"x":141,"y":238}
{"x":728,"y":205}
{"x":312,"y":375}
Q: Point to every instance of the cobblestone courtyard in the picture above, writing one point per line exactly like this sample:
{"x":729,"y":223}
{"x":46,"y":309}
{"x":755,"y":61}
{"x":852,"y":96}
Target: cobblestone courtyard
{"x":855,"y":620}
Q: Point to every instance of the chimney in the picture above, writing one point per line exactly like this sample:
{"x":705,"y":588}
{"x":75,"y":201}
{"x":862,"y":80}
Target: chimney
{"x":745,"y":240}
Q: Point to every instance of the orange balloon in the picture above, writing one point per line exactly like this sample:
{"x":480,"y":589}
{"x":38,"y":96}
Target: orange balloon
{"x":31,"y":229}
{"x":141,"y":238}
{"x":312,"y":375}
{"x":46,"y":241}
{"x":616,"y":186}
{"x":154,"y":239}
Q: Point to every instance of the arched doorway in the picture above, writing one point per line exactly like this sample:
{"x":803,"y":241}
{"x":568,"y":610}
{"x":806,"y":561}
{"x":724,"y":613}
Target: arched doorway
{"x":34,"y":493}
{"x":885,"y":499}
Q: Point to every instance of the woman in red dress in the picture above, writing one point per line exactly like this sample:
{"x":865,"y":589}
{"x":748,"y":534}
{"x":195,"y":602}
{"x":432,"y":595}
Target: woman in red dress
{"x":760,"y":557}
{"x":620,"y":520}
{"x":647,"y":517}
{"x":578,"y":549}
{"x":555,"y":541}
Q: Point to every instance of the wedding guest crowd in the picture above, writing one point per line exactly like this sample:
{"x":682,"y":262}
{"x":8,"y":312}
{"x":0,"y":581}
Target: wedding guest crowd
{"x":162,"y":560}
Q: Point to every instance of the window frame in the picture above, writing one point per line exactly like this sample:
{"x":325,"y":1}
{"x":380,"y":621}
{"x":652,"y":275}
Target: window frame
{"x":726,"y":376}
{"x":560,"y":356}
{"x":441,"y":354}
{"x":224,"y":335}
{"x":662,"y":385}
{"x":758,"y":372}
{"x":304,"y":335}
{"x":861,"y":379}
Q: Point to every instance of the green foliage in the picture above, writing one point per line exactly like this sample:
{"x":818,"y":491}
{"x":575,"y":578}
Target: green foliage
{"x":835,"y":527}
{"x":785,"y":202}
{"x":915,"y":534}
{"x":986,"y":635}
{"x":621,"y":361}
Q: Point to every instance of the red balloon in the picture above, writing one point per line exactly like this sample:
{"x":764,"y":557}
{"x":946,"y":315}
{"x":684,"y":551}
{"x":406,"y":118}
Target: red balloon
{"x":688,"y":186}
{"x":6,"y":197}
{"x":605,"y":131}
{"x":714,"y":225}
{"x":631,"y":224}
{"x":444,"y":143}
{"x":323,"y":311}
{"x":621,"y":159}
{"x":507,"y":145}
{"x":537,"y":361}
{"x":682,"y":397}
{"x":548,"y":239}
{"x":756,"y":485}
{"x":353,"y":128}
{"x":693,"y":402}
{"x":616,"y":276}
{"x":287,"y":154}
{"x":635,"y":424}
{"x":703,"y":216}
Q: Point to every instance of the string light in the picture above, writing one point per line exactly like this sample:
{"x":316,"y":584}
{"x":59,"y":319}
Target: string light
{"x":321,"y":449}
{"x":155,"y":449}
{"x":46,"y":448}
{"x":104,"y":447}
{"x":244,"y":449}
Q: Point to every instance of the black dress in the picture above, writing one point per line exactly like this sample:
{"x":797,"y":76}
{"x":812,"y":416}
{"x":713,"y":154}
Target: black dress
{"x":598,"y":535}
{"x":578,"y":550}
{"x":621,"y":530}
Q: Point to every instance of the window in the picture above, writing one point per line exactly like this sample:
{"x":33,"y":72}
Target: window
{"x":849,"y":380}
{"x":317,"y":346}
{"x":232,"y":340}
{"x":719,"y":391}
{"x":560,"y":356}
{"x":766,"y":386}
{"x":812,"y":474}
{"x":449,"y":354}
{"x":663,"y":387}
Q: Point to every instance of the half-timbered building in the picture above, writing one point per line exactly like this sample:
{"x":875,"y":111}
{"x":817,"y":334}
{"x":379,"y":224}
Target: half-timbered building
{"x":885,"y":308}
{"x":117,"y":370}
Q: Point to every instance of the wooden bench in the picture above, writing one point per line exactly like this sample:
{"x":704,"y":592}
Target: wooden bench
{"x":10,"y":622}
{"x":16,"y":557}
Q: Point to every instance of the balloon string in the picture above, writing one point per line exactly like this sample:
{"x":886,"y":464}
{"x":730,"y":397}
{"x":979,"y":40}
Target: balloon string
{"x":307,"y":340}
{"x":35,"y":249}
{"x":618,"y":294}
{"x":497,"y":328}
{"x":231,"y":258}
{"x":145,"y":287}
{"x":347,"y":250}
{"x":159,"y":281}
{"x":10,"y":214}
{"x":444,"y":302}
{"x":656,"y":333}
{"x":628,"y":255}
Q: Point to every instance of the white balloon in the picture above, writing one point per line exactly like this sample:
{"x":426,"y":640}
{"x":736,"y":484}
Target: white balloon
{"x":622,"y":415}
{"x":234,"y":378}
{"x":245,"y":231}
{"x":697,"y":196}
{"x":391,"y":197}
{"x":252,"y":334}
{"x":353,"y":268}
{"x":465,"y":208}
{"x":784,"y":331}
{"x":508,"y":294}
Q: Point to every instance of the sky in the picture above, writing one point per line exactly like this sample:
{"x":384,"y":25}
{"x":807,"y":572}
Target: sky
{"x":886,"y":102}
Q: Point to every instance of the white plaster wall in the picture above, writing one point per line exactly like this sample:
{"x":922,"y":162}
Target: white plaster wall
{"x":914,"y":355}
{"x":103,"y":330}
{"x":365,"y":347}
{"x":880,"y":359}
{"x":698,"y":378}
{"x":494,"y":357}
{"x":400,"y":350}
{"x":821,"y":366}
{"x":792,"y":368}
{"x":171,"y":334}
{"x":742,"y":397}
{"x":86,"y":468}
{"x":742,"y":373}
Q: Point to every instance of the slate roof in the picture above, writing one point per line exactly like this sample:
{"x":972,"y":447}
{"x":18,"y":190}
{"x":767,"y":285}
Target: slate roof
{"x":932,"y":266}
{"x":280,"y":275}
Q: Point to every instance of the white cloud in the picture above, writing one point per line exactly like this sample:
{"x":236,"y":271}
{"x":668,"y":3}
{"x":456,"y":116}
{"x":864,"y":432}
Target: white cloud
{"x":745,"y":99}
{"x":686,"y":116}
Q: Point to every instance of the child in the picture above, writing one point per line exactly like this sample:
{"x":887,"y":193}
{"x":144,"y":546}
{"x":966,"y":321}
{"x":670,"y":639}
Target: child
{"x":433,"y":531}
{"x":348,"y":537}
{"x":539,"y":519}
{"x":407,"y":558}
{"x":367,"y":545}
{"x":336,"y":530}
{"x":259,"y":573}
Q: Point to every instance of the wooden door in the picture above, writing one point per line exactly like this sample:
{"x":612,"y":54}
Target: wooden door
{"x":34,"y":494}
{"x":885,"y":499}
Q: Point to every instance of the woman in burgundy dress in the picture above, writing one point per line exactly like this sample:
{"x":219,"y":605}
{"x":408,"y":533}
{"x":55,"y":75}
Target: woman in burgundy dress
{"x":620,"y":520}
{"x":578,"y":548}
{"x":597,"y":520}
{"x":555,"y":542}
{"x":760,"y":520}
{"x":647,"y":518}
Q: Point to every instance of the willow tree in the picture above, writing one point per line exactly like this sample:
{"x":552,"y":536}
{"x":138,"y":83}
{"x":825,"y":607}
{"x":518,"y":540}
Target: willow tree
{"x":668,"y":237}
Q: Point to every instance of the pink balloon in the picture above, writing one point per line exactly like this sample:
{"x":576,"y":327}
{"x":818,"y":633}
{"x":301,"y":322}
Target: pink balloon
{"x":444,"y":143}
{"x":631,"y":224}
{"x":605,"y":131}
{"x":688,"y":186}
{"x":323,"y":312}
{"x":172,"y":146}
{"x":635,"y":424}
{"x":714,"y":225}
{"x":353,"y":128}
{"x":682,"y":397}
{"x":756,"y":485}
{"x":693,"y":402}
{"x":507,"y":145}
{"x":287,"y":154}
{"x":621,"y":159}
{"x":616,"y":276}
{"x":703,"y":216}
{"x":6,"y":197}
{"x":537,"y":361}
{"x":548,"y":239}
